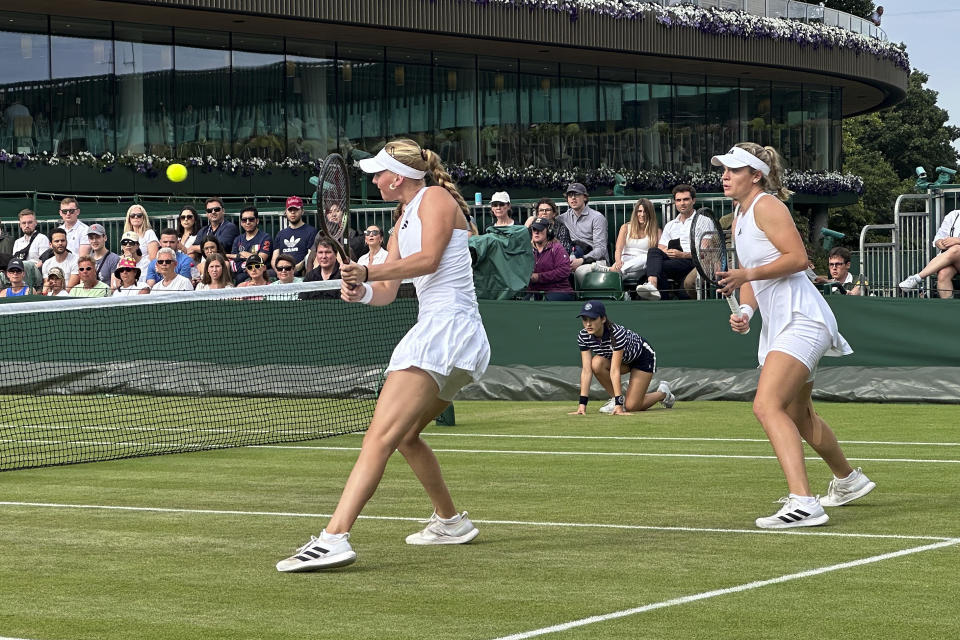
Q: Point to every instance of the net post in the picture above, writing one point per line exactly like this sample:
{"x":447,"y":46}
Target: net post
{"x":447,"y":418}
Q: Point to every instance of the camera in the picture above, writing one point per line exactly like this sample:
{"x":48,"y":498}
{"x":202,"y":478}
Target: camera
{"x":921,"y":173}
{"x":946,"y":170}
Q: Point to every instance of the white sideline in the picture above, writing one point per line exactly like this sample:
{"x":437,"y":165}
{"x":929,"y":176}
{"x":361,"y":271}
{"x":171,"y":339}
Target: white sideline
{"x":522,"y":523}
{"x":721,"y":592}
{"x":433,"y":433}
{"x":626,"y":454}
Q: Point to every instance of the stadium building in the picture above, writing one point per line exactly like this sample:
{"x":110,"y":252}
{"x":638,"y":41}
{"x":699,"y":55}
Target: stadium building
{"x":550,"y":85}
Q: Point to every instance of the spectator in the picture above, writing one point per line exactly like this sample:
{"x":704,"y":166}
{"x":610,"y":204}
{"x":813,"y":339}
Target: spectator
{"x":170,"y":281}
{"x":841,"y":279}
{"x":6,"y":242}
{"x":588,"y":231}
{"x":297,"y":238}
{"x":32,"y":243}
{"x":635,"y":239}
{"x":130,"y":249}
{"x":256,"y":270}
{"x":671,"y":258}
{"x":286,"y":265}
{"x":54,"y":283}
{"x":607,"y":351}
{"x":62,"y":257}
{"x":187,"y":227}
{"x":90,"y":286}
{"x":327,"y":268}
{"x":501,"y":209}
{"x":376,"y":252}
{"x":223,"y":230}
{"x":76,"y":231}
{"x":139,"y":222}
{"x":252,"y":241}
{"x":550,"y":279}
{"x":17,"y":287}
{"x":877,"y":16}
{"x":127,"y":275}
{"x":170,"y":240}
{"x":216,"y":273}
{"x":106,"y":260}
{"x":947,"y":263}
{"x":547,"y":208}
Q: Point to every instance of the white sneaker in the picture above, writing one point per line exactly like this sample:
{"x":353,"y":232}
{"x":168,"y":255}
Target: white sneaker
{"x":668,"y":401}
{"x":794,"y":514}
{"x":844,"y":490}
{"x":596,"y":266}
{"x":460,"y":531}
{"x":912,"y":283}
{"x":319,"y":554}
{"x":648,"y":291}
{"x":608,"y":408}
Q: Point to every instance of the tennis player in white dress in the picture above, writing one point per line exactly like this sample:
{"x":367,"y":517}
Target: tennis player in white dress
{"x":798,"y":329}
{"x":446,"y":349}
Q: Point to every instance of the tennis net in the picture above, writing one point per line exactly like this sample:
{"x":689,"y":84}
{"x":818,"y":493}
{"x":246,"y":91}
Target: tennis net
{"x":87,"y":380}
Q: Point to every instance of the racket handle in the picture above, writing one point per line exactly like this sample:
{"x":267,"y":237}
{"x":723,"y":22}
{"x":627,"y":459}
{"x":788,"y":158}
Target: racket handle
{"x":735,"y":310}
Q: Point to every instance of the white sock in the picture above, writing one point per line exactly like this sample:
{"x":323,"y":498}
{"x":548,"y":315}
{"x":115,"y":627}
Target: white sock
{"x":332,"y":538}
{"x":803,"y":499}
{"x":849,"y":478}
{"x":454,"y":520}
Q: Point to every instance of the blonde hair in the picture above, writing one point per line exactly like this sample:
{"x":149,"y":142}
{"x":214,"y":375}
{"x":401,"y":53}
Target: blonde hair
{"x":651,"y":228}
{"x":411,"y":154}
{"x":146,"y":219}
{"x":772,"y":182}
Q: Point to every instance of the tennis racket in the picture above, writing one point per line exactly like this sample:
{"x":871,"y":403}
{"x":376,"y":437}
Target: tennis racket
{"x":333,"y":204}
{"x":708,"y":247}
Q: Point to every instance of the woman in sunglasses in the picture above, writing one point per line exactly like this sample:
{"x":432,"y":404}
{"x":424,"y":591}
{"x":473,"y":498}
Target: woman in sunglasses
{"x":138,"y":222}
{"x":15,"y":276}
{"x":376,"y":254}
{"x":187,"y":227}
{"x":256,"y":270}
{"x":128,"y":274}
{"x":130,"y":250}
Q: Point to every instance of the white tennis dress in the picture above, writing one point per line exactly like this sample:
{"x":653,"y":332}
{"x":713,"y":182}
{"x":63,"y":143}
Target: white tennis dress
{"x":781,"y":299}
{"x":449,"y":333}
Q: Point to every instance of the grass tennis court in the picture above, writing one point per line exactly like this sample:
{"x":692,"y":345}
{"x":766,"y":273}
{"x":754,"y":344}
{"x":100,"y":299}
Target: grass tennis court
{"x":645,"y":521}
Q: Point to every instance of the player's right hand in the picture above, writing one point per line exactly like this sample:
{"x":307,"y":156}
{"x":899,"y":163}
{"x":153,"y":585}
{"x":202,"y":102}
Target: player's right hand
{"x":350,"y":293}
{"x":581,"y":411}
{"x":739,"y":323}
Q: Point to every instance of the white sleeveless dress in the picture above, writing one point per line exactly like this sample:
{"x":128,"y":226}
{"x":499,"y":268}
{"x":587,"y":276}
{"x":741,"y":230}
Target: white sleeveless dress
{"x":634,"y":253}
{"x":780,"y":299}
{"x":449,"y":333}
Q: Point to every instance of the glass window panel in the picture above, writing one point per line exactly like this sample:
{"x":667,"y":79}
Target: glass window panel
{"x":362,"y":74}
{"x":836,"y":129}
{"x":455,"y":96}
{"x":578,"y":115}
{"x":816,"y":129}
{"x":144,"y":100}
{"x":653,"y":109}
{"x":257,"y":85}
{"x":409,"y":108}
{"x":499,"y":105}
{"x":202,"y":90}
{"x":787,"y":124}
{"x":539,"y":113}
{"x":755,"y":112}
{"x":311,"y":80}
{"x":722,"y":116}
{"x":24,"y":84}
{"x":688,"y":126}
{"x":617,"y":143}
{"x":83,"y":74}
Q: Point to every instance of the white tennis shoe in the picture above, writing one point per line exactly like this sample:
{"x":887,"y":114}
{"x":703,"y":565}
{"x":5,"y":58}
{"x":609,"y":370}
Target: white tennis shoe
{"x":608,"y":408}
{"x":670,"y":399}
{"x":795,"y":514}
{"x":438,"y":531}
{"x":319,"y":554}
{"x":844,"y":490}
{"x":648,"y":291}
{"x":912,"y":283}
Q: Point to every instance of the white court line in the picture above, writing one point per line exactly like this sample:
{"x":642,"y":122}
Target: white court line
{"x":666,"y":438}
{"x":625,"y":454}
{"x":522,"y":523}
{"x":722,"y":592}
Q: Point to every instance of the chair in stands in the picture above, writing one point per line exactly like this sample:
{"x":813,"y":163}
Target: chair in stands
{"x":601,"y":284}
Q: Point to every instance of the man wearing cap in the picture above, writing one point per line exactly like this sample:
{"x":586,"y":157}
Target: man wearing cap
{"x":62,"y":257}
{"x":671,"y":258}
{"x":296,"y":238}
{"x":501,"y":209}
{"x":77,"y":241}
{"x":32,"y":243}
{"x":106,"y":260}
{"x":550,"y":279}
{"x":223,"y":230}
{"x":588,"y":230}
{"x":170,"y":281}
{"x":90,"y":286}
{"x":171,"y":239}
{"x":14,"y":272}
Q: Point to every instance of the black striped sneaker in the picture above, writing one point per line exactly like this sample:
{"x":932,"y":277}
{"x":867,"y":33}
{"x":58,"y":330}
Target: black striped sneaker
{"x":318,"y":554}
{"x":795,"y":514}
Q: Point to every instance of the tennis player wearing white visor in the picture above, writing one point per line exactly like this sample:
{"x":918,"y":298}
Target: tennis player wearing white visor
{"x":445,"y":349}
{"x":798,"y":329}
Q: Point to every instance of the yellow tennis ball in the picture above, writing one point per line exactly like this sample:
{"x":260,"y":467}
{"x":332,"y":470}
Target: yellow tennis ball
{"x":176,"y":172}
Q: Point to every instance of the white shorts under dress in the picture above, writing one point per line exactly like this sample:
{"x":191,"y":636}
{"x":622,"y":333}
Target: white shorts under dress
{"x":805,"y":340}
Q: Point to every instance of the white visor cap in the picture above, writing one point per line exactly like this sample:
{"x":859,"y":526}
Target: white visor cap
{"x":383,"y":161}
{"x":737,"y":157}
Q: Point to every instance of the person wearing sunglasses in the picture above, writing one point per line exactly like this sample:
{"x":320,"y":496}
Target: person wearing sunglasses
{"x":17,"y":286}
{"x":90,"y":286}
{"x":296,"y":238}
{"x":130,"y":249}
{"x":376,"y":252}
{"x":185,"y":265}
{"x":187,"y":227}
{"x":76,"y":230}
{"x":139,"y":222}
{"x":170,"y":281}
{"x":217,"y":226}
{"x":256,"y":270}
{"x":251,"y":242}
{"x":127,"y":274}
{"x":285,"y":268}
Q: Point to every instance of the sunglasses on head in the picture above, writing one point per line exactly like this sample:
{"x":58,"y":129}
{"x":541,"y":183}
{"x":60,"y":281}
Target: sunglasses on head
{"x":285,"y":267}
{"x":164,"y":261}
{"x":214,"y":209}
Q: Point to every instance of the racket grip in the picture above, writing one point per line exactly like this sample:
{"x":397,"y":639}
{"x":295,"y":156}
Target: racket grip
{"x":734,"y":305}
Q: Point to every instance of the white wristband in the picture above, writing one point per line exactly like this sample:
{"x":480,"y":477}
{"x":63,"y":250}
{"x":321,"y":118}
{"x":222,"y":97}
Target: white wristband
{"x":367,"y":294}
{"x":746,"y":310}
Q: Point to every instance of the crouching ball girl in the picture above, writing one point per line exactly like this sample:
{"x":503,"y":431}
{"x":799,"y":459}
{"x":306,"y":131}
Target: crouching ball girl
{"x":610,"y":350}
{"x":446,"y":349}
